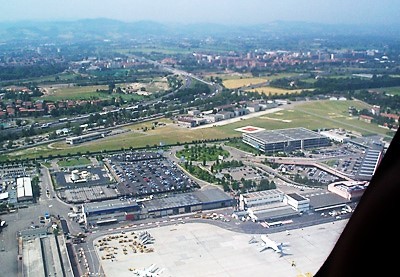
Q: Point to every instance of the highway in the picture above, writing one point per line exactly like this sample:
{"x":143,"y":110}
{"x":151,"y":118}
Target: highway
{"x":217,"y":87}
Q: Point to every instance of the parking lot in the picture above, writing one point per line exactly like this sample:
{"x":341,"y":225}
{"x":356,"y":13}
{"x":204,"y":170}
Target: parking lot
{"x":146,"y":173}
{"x":245,"y":172}
{"x":309,"y":172}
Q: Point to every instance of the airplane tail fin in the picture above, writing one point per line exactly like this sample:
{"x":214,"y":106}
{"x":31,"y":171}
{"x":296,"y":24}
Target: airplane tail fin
{"x":281,"y":250}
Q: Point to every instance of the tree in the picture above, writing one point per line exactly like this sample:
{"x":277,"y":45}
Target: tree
{"x":35,"y":187}
{"x":263,"y":185}
{"x":111,"y":87}
{"x":77,"y":131}
{"x":10,"y":144}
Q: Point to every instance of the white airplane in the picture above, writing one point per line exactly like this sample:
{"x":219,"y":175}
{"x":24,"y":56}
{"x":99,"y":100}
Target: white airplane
{"x":151,"y":271}
{"x":269,"y":243}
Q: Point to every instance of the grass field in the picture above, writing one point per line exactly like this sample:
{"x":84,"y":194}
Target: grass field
{"x":57,"y":93}
{"x":236,"y":80}
{"x":325,"y":114}
{"x":50,"y":78}
{"x":151,"y":85}
{"x":238,"y":83}
{"x":74,"y":162}
{"x":390,"y":90}
{"x":63,"y":92}
{"x":275,"y":91}
{"x":168,"y":134}
{"x":311,"y":115}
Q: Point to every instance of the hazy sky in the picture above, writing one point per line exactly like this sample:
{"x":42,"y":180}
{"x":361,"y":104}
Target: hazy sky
{"x":215,"y":11}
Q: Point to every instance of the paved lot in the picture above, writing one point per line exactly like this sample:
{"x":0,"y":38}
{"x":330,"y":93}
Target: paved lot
{"x":145,"y":173}
{"x":198,"y":249}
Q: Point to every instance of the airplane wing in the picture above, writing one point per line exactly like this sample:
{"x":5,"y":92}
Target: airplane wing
{"x":151,"y":268}
{"x":253,"y":240}
{"x":151,"y":271}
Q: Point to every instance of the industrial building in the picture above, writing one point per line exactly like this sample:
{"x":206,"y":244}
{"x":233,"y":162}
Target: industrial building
{"x":285,"y":140}
{"x":84,"y":138}
{"x":43,"y":254}
{"x":24,"y":189}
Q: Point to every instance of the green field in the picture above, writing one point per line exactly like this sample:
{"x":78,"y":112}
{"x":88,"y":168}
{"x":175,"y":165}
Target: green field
{"x":390,"y":90}
{"x":202,"y":152}
{"x":73,"y":162}
{"x":243,"y":76}
{"x":169,"y":134}
{"x":58,"y":93}
{"x":312,"y":115}
{"x":276,"y":91}
{"x":51,"y":78}
{"x":238,"y":83}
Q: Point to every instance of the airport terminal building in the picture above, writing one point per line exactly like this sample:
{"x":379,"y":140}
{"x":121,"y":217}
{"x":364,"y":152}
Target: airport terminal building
{"x":273,"y":204}
{"x":113,"y":211}
{"x":285,"y":140}
{"x":348,"y":189}
{"x":188,"y":202}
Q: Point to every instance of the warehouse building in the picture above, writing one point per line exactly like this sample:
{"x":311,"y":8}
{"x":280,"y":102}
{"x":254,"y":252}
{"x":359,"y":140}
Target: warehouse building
{"x":24,"y":189}
{"x":285,"y":140}
{"x":43,"y":254}
{"x":85,"y":138}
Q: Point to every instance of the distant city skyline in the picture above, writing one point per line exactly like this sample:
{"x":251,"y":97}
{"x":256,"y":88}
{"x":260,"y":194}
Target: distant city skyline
{"x":231,"y":12}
